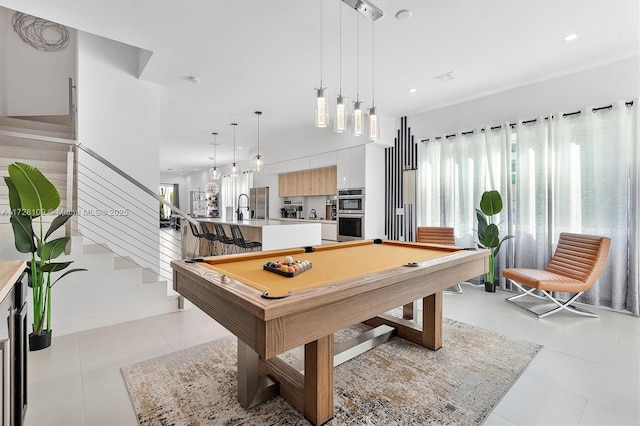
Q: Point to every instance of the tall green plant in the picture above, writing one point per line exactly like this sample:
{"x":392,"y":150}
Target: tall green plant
{"x":488,"y":232}
{"x":32,"y":195}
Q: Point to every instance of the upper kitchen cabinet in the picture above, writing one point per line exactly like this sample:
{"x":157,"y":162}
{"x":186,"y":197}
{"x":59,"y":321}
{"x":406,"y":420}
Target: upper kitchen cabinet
{"x":308,"y":182}
{"x":351,"y":167}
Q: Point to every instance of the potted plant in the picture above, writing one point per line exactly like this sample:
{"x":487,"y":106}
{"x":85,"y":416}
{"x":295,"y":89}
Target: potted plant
{"x":32,"y":195}
{"x":489,"y":234}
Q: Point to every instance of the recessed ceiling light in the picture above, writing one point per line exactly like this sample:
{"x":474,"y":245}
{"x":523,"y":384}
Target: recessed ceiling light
{"x":411,"y":90}
{"x":240,"y":147}
{"x":403,"y":14}
{"x":570,"y":37}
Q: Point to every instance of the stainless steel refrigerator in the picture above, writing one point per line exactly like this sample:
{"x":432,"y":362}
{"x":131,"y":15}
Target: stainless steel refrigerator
{"x":259,"y":203}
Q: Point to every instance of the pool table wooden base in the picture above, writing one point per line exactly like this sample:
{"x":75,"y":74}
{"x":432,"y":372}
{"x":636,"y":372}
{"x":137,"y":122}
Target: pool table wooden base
{"x":267,"y":328}
{"x":311,"y":391}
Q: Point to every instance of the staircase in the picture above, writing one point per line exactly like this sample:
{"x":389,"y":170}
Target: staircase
{"x":115,"y":288}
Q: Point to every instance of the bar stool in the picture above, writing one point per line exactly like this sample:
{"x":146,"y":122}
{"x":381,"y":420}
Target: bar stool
{"x":226,"y":243}
{"x":242,"y":244}
{"x":198,"y":237}
{"x":211,"y":239}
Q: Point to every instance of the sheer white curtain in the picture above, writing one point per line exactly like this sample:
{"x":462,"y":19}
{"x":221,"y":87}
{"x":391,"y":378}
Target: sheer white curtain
{"x":453,"y":173}
{"x":578,"y":173}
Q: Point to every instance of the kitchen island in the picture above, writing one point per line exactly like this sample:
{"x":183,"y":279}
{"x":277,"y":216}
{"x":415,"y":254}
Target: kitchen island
{"x":272,"y":233}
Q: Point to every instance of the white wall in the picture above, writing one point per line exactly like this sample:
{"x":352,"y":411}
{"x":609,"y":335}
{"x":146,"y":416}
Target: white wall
{"x":594,"y":87}
{"x":36,"y":81}
{"x":119,"y":118}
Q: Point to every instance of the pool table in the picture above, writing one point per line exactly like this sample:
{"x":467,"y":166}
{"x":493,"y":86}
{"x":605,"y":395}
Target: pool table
{"x":347,"y":283}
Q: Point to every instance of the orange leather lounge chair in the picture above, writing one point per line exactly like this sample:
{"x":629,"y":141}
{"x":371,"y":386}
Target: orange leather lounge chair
{"x":438,"y":235}
{"x":574,"y":268}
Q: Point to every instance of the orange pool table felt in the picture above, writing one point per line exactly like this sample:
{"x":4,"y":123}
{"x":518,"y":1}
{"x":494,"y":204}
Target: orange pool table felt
{"x":331,"y":263}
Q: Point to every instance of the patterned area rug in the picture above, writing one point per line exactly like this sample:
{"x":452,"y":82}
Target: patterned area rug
{"x":397,"y":383}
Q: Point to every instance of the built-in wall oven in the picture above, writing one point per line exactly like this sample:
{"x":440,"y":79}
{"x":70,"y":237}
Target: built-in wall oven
{"x":350,"y":227}
{"x":351,"y":201}
{"x":350,"y":214}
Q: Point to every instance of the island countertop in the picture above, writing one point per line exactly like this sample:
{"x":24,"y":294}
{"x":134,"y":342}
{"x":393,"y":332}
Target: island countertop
{"x":257,"y":223}
{"x":272,"y":233}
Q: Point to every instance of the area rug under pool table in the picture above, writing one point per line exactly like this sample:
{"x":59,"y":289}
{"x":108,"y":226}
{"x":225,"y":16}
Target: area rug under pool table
{"x":397,"y":383}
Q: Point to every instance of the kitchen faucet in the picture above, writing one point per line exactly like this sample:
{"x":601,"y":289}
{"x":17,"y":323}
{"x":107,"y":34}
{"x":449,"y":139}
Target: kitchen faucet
{"x":313,"y":214}
{"x":239,"y":211}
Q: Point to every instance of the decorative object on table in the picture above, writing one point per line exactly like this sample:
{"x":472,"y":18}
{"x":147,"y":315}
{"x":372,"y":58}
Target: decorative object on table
{"x":287,"y":267}
{"x":489,"y":234}
{"x":32,"y":195}
{"x":460,"y":385}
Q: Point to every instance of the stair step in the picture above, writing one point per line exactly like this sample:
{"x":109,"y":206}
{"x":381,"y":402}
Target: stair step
{"x":52,"y":119}
{"x":33,"y":123}
{"x":49,"y":133}
{"x":95,"y":249}
{"x":124,"y":262}
{"x":148,"y":277}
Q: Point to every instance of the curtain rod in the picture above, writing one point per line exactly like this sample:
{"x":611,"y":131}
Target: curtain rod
{"x":512,"y":125}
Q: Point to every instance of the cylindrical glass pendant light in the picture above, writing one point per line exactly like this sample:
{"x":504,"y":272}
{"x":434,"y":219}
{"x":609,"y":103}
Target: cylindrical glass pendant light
{"x":358,"y":119}
{"x":322,"y":111}
{"x":374,"y":127}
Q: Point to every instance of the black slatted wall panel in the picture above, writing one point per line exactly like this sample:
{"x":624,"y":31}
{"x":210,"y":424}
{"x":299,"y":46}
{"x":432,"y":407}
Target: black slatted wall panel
{"x":402,"y":156}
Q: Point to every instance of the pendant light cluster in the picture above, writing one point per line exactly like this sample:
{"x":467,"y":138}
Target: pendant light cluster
{"x":363,"y":7}
{"x":258,"y":161}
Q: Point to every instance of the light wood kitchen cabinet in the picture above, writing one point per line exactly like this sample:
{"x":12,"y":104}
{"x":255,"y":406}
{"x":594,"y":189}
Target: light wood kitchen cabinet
{"x":308,"y":182}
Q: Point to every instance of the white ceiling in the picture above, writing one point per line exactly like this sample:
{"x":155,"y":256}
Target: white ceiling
{"x":265,"y":55}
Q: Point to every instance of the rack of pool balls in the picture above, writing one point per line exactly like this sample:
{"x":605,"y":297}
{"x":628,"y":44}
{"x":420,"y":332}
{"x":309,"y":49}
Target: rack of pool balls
{"x":287,"y":267}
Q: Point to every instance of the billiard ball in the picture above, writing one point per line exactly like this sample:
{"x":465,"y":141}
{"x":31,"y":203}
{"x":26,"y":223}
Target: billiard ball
{"x":288,"y":260}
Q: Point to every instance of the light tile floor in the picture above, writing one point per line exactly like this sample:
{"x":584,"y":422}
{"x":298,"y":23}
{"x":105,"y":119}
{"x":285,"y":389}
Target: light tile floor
{"x":588,"y":372}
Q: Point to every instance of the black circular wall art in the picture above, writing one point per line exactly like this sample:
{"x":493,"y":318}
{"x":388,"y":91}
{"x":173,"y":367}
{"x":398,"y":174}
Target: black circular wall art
{"x":39,"y":33}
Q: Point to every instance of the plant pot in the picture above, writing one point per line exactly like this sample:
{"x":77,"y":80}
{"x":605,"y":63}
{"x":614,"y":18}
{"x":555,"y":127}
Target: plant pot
{"x":490,"y":287}
{"x":39,"y":341}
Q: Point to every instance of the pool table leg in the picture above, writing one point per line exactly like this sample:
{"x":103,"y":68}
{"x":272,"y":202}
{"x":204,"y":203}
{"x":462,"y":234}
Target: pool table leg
{"x":318,"y":380}
{"x":409,"y":310}
{"x":252,"y":389}
{"x":432,"y":321}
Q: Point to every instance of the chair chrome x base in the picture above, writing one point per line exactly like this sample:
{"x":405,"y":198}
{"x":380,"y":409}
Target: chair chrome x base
{"x":560,"y":305}
{"x":455,"y":289}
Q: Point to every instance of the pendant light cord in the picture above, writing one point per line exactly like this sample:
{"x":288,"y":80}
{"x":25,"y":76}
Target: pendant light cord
{"x":320,"y":44}
{"x":373,"y":69}
{"x":258,"y":113}
{"x":340,"y":56}
{"x":357,"y":59}
{"x":234,"y":142}
{"x":215,"y":151}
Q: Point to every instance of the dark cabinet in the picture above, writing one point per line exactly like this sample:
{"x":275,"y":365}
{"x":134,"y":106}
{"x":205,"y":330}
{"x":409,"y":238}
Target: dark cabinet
{"x":13,"y":350}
